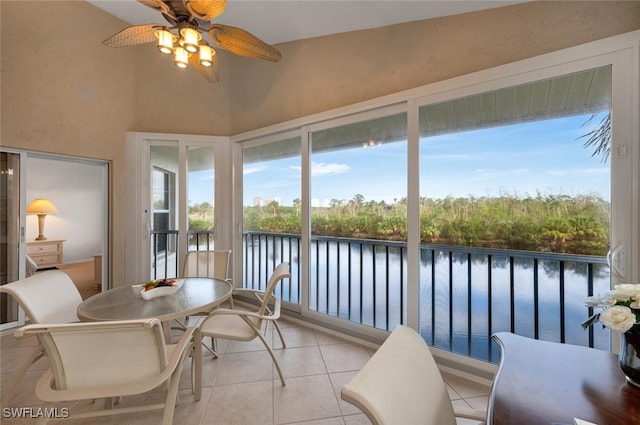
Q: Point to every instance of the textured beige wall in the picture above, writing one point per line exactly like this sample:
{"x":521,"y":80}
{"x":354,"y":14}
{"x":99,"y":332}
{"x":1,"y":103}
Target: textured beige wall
{"x":327,"y":72}
{"x":174,"y":100}
{"x":62,"y":92}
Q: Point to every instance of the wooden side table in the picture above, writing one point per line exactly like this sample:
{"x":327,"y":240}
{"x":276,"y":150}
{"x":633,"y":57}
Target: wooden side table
{"x":543,"y":383}
{"x":46,"y":254}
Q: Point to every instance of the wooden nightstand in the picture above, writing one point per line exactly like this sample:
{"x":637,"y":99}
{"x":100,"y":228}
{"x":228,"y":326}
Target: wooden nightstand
{"x":47,"y":254}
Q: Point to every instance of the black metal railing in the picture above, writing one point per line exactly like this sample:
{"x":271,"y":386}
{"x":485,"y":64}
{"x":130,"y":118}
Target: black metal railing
{"x":165,"y":244}
{"x":166,"y":247}
{"x":466,"y":294}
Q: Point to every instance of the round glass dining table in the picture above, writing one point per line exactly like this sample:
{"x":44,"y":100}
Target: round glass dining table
{"x":196,"y":295}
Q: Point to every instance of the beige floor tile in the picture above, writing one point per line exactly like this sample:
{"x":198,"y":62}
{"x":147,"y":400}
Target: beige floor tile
{"x":479,"y":403}
{"x":359,"y":419}
{"x":339,"y":380}
{"x":453,"y":395}
{"x":300,"y":361}
{"x":328,"y":339}
{"x":296,"y":337}
{"x":325,"y":421}
{"x":241,"y":404}
{"x":245,"y":367}
{"x":344,"y":357}
{"x":304,"y":399}
{"x":464,"y":387}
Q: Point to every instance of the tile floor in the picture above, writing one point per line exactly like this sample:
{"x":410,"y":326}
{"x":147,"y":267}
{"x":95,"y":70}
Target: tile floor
{"x":242,"y":387}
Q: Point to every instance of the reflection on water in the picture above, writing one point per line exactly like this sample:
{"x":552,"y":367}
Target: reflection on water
{"x":532,"y":297}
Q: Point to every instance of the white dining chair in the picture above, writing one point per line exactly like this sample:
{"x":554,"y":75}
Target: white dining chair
{"x":111,"y":360}
{"x":246,"y":325}
{"x":45,"y":297}
{"x":208,"y":263}
{"x":401,"y":384}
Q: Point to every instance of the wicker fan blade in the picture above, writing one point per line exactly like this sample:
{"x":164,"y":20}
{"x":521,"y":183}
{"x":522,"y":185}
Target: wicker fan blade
{"x":242,"y":43}
{"x":158,"y":5}
{"x":205,"y":9}
{"x":209,"y":73}
{"x":132,"y":36}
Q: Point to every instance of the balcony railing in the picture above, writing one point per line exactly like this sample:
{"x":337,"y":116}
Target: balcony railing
{"x":466,"y":294}
{"x":166,"y":247}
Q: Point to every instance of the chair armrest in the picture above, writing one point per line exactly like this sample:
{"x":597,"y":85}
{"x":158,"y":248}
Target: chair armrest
{"x":231,"y":312}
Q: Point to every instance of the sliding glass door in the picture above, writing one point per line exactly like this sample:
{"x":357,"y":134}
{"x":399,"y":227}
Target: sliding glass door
{"x":11,"y":234}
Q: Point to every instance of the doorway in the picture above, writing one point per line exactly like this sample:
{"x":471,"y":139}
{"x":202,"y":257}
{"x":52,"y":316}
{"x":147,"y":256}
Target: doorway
{"x":74,"y":234}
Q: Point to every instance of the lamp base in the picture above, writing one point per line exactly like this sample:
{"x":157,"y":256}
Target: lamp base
{"x":40,"y":238}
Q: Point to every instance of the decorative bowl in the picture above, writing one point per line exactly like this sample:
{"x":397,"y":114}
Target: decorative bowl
{"x":159,"y":291}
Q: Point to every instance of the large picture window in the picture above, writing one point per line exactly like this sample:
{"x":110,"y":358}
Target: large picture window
{"x":515,"y":211}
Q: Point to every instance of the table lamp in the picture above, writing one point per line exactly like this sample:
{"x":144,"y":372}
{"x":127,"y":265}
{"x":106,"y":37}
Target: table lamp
{"x":41,"y":207}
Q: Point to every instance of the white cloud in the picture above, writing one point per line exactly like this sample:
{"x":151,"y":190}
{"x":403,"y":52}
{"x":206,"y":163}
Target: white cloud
{"x":324,"y":169}
{"x":256,"y":169}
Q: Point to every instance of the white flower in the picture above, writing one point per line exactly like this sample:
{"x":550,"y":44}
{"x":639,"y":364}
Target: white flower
{"x":627,"y":291}
{"x":619,"y":318}
{"x":607,"y":299}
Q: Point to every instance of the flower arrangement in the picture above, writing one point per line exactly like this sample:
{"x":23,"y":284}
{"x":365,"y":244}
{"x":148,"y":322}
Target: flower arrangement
{"x":620,"y":309}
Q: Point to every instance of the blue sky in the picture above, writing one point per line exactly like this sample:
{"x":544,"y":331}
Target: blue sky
{"x":525,"y":159}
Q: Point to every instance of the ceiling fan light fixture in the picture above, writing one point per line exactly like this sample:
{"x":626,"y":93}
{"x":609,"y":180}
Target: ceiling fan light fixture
{"x":165,"y":40}
{"x":206,"y":55}
{"x":189,"y":39}
{"x":181,"y":57}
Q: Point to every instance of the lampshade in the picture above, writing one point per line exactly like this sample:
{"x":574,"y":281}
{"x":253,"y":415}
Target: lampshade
{"x":165,"y":40}
{"x":206,"y":55}
{"x":181,"y":58}
{"x":41,"y":206}
{"x":189,"y":40}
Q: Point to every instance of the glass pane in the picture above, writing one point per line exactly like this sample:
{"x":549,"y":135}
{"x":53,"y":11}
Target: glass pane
{"x":358,"y":221}
{"x":272,"y":215}
{"x":9,"y":231}
{"x":164,"y":234}
{"x":515,"y":210}
{"x":200,"y":197}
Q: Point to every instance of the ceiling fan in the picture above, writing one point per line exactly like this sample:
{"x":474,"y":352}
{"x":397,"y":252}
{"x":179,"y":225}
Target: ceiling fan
{"x":189,"y":20}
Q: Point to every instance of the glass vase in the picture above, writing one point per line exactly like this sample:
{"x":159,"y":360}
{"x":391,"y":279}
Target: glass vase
{"x":630,"y":358}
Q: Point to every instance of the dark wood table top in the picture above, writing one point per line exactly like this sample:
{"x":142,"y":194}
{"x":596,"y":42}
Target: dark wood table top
{"x":545,"y":383}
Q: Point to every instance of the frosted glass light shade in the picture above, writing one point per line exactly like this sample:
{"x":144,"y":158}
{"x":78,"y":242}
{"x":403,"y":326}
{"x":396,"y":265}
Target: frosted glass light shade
{"x":190,"y":39}
{"x":181,"y":58}
{"x":206,"y":55}
{"x":165,"y":41}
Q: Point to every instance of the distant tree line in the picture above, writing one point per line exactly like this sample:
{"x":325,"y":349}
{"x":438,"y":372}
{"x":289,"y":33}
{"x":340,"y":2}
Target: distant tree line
{"x":547,"y":223}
